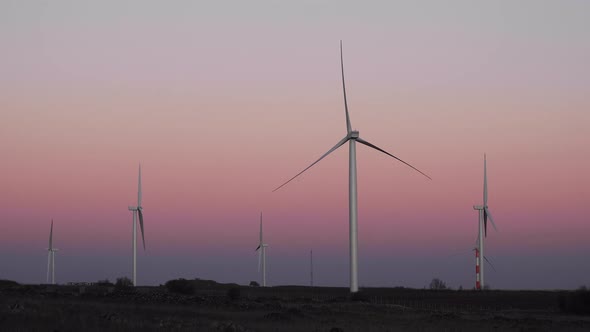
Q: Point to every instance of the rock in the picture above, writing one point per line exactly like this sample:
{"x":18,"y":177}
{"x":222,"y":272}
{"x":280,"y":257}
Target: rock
{"x":17,"y":307}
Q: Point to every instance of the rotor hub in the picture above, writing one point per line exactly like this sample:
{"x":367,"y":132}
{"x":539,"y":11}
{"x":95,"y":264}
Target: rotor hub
{"x":354,"y":134}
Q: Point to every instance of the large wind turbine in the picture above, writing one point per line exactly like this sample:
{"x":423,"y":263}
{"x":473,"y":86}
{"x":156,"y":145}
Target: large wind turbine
{"x":51,"y":258}
{"x":352,"y":136}
{"x":137,"y":212}
{"x":262,"y":254}
{"x":484,"y":214}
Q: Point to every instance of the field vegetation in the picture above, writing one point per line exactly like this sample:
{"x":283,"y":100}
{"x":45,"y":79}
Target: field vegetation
{"x":204,"y":305}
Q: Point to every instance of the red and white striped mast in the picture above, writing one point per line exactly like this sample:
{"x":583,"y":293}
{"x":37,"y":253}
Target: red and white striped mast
{"x":484,"y":215}
{"x":477,"y":276}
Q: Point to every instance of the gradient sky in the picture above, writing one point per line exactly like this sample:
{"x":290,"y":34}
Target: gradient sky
{"x":223,"y":101}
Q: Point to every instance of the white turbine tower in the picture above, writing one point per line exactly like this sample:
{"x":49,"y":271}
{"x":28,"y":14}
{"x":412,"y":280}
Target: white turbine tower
{"x":137,"y":214}
{"x":311,"y":268}
{"x":484,"y":214}
{"x":262,"y":254}
{"x":51,"y":258}
{"x":352,"y":136}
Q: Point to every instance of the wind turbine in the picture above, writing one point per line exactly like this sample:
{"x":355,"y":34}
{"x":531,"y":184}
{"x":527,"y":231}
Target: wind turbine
{"x":262,"y":254}
{"x":352,"y":137}
{"x":137,"y":212}
{"x":51,"y":258}
{"x":484,"y":214}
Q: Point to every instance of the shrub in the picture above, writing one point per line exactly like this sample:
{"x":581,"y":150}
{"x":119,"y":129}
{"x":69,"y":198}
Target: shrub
{"x":254,"y":284}
{"x":577,"y":302}
{"x":181,"y":286}
{"x":123,"y":283}
{"x":437,"y":284}
{"x":105,"y":282}
{"x":234,"y":293}
{"x":8,"y":283}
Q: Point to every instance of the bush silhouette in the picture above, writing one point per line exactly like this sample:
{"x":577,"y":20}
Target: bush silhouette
{"x":180,"y":286}
{"x":123,"y":283}
{"x":577,"y":302}
{"x":8,"y":283}
{"x":105,"y":282}
{"x":437,"y":284}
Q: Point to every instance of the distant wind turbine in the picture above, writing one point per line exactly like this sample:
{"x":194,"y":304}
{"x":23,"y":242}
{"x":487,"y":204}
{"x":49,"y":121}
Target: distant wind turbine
{"x":352,"y":136}
{"x":137,"y":212}
{"x":51,"y":258}
{"x":262,"y":254}
{"x":484,"y":214}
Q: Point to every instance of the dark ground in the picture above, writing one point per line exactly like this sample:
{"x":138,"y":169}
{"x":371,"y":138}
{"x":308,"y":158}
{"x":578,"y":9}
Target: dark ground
{"x":211,"y":308}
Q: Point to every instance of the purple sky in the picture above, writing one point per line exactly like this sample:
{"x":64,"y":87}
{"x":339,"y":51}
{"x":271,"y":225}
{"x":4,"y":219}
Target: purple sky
{"x":223,"y":102}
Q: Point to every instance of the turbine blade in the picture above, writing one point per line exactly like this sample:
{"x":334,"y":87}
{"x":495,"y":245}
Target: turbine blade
{"x":258,"y":247}
{"x":139,"y":188}
{"x":51,"y":236}
{"x":489,"y":215}
{"x":485,"y":182}
{"x":485,"y":223}
{"x":362,"y":141}
{"x":492,"y":265}
{"x":259,"y":259}
{"x":339,"y":144}
{"x":141,"y":226}
{"x":348,"y":126}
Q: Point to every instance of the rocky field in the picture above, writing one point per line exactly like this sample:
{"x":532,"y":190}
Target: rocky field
{"x":217,"y":307}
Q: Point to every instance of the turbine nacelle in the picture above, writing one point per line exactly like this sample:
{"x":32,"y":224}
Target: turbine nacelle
{"x":132,"y":208}
{"x":353,"y":134}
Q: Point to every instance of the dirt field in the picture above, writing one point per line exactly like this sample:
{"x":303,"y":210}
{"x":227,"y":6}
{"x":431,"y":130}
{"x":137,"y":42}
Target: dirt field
{"x":68,"y":308}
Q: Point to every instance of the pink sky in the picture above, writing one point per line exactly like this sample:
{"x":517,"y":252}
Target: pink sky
{"x":221,"y":105}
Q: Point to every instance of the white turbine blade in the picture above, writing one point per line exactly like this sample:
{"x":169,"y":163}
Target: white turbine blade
{"x":139,"y":188}
{"x":51,"y":236}
{"x":490,"y":263}
{"x":348,"y":126}
{"x":339,"y":144}
{"x":362,"y":141}
{"x":485,"y":182}
{"x":141,"y":226}
{"x":487,"y":212}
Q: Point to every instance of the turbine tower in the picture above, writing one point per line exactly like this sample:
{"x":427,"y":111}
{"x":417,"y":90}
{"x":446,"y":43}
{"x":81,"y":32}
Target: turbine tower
{"x":137,"y":214}
{"x":262,"y":254}
{"x":311,"y":268}
{"x":484,"y":215}
{"x":352,"y":137}
{"x":51,"y":258}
